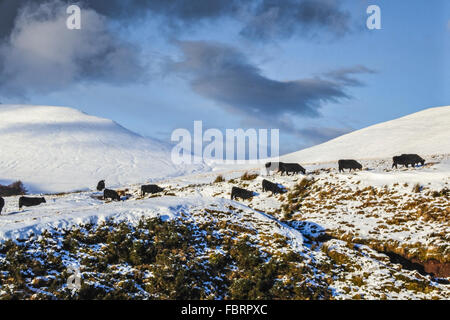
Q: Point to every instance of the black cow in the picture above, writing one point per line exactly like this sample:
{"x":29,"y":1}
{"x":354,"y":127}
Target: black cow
{"x":241,"y":193}
{"x":30,"y":202}
{"x":416,"y":159}
{"x":151,"y":188}
{"x":398,"y":160}
{"x":101,"y":185}
{"x":110,"y":194}
{"x":295,"y":168}
{"x":273,"y":187}
{"x":274,"y":166}
{"x":407,"y":159}
{"x":2,"y":204}
{"x":349,"y":164}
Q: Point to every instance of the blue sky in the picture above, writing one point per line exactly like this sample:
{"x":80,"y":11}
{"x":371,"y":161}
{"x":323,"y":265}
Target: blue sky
{"x":342,"y":80}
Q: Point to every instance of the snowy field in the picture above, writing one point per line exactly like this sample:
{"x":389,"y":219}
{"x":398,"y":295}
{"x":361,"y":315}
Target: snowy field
{"x":197,"y":190}
{"x":363,"y":214}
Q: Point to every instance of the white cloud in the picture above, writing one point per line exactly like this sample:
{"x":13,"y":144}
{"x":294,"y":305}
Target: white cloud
{"x":42,"y":54}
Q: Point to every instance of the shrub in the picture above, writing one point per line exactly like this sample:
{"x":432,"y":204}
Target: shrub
{"x":296,"y":196}
{"x":153,"y":259}
{"x":15,"y":189}
{"x":248,"y":176}
{"x":443,"y":193}
{"x":417,"y":188}
{"x":219,"y":179}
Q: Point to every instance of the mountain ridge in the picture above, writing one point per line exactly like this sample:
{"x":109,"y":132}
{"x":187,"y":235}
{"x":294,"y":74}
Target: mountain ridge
{"x":425,"y":132}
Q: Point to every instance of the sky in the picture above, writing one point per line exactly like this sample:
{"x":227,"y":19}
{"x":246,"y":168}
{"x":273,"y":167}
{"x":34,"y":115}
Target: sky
{"x":310,"y":68}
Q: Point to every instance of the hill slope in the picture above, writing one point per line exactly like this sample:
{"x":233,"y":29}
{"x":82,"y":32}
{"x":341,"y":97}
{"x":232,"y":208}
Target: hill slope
{"x":58,"y":149}
{"x":426,"y":133}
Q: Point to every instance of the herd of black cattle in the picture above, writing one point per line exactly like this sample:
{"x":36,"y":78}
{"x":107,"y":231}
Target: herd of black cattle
{"x":281,"y":167}
{"x":295,"y":168}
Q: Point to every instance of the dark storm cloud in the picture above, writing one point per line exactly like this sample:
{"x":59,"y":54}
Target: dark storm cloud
{"x":261,"y":19}
{"x":98,"y":53}
{"x":8,"y":13}
{"x":175,"y":11}
{"x":346,"y":75}
{"x":273,"y":19}
{"x":184,"y":10}
{"x":223,"y":74}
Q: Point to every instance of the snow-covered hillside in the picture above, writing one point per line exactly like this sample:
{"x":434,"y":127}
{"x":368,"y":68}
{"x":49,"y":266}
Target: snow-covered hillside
{"x":426,"y":133}
{"x":58,"y":149}
{"x":378,"y":233}
{"x":350,"y":229}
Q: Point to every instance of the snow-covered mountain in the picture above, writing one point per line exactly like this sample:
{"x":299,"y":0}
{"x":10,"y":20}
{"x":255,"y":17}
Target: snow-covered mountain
{"x":426,"y":133}
{"x":59,"y":149}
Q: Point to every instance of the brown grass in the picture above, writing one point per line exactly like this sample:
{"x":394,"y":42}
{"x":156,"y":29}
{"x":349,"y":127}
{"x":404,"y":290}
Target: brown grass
{"x":249,"y":176}
{"x":219,"y":179}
